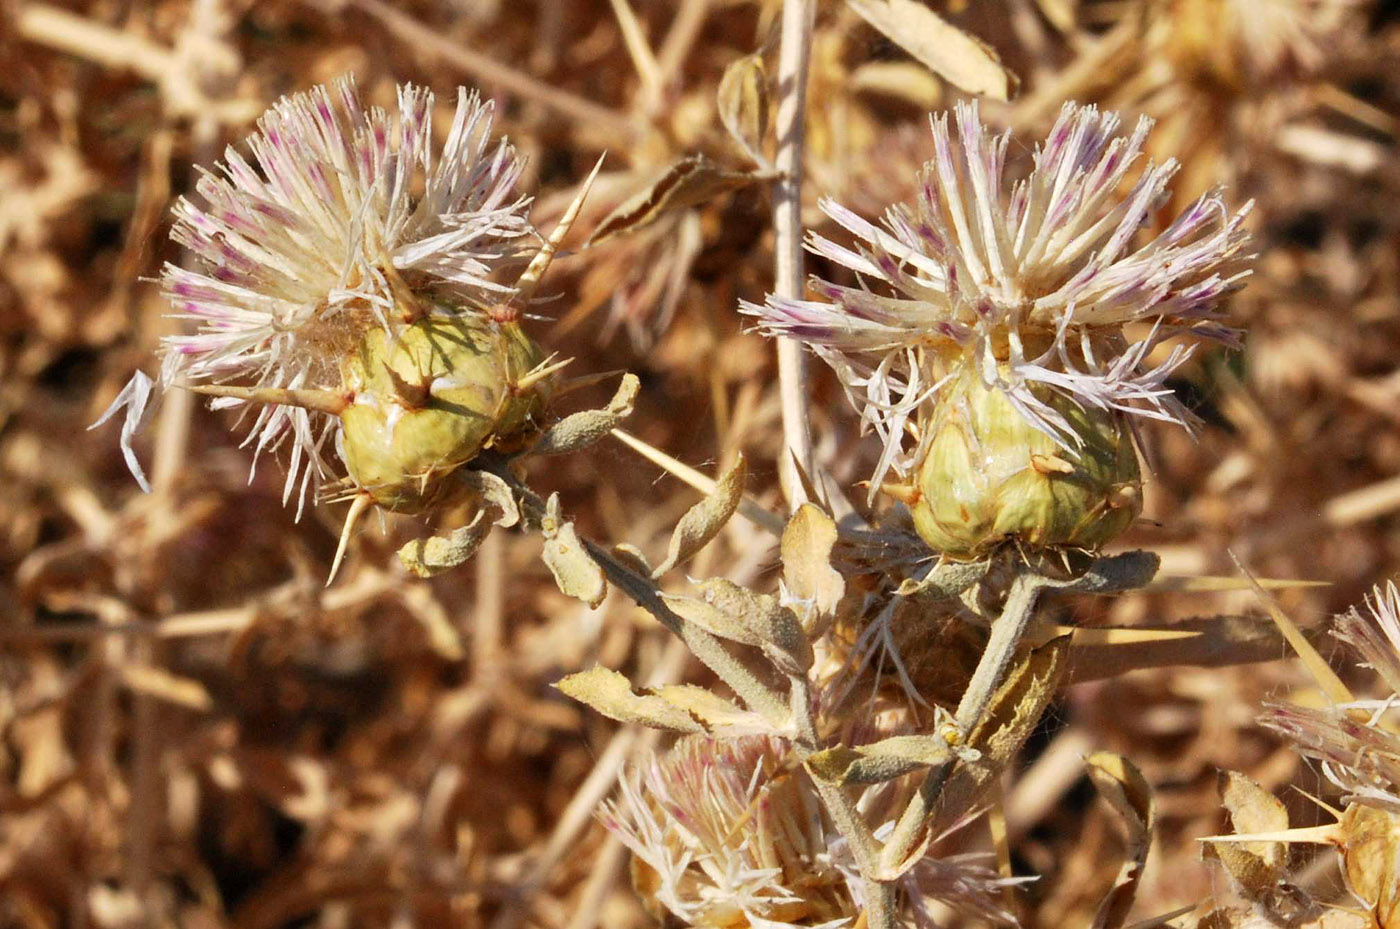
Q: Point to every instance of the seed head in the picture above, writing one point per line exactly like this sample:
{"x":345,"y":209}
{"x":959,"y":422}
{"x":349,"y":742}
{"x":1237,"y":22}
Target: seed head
{"x":1027,"y":282}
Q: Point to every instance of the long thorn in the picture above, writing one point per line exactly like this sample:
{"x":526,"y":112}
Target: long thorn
{"x":530,"y":279}
{"x":358,"y":507}
{"x":1326,"y":834}
{"x":541,"y":371}
{"x":324,"y":401}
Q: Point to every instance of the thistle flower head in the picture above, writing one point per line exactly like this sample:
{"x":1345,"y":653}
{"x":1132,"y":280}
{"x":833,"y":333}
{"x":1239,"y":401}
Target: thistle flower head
{"x":731,"y":833}
{"x":342,"y":219}
{"x":1359,"y":750}
{"x":1029,"y":283}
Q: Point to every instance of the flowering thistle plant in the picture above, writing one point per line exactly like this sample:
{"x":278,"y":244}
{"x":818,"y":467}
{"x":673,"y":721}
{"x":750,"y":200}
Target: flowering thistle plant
{"x":347,"y":285}
{"x":1010,"y":311}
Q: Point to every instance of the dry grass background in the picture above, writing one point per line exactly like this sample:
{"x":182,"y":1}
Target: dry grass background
{"x":194,"y":733}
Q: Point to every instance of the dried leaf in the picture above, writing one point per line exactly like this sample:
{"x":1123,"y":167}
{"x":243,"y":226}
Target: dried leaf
{"x":702,"y":522}
{"x":588,"y":426}
{"x":904,"y":80}
{"x":743,"y":104}
{"x":807,"y":572}
{"x":1060,"y":13}
{"x":165,"y":685}
{"x":612,"y":694}
{"x":1127,"y":791}
{"x":1370,"y":863}
{"x":686,"y":183}
{"x":1011,"y":716}
{"x":879,"y":761}
{"x":1257,"y":867}
{"x":959,"y":58}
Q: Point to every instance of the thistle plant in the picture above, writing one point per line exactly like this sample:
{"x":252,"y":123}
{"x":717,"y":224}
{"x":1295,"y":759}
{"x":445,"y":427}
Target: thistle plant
{"x":344,"y":292}
{"x":348,"y":292}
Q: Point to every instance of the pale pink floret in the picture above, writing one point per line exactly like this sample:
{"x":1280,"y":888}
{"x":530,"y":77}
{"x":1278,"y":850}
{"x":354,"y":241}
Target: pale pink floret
{"x":340,"y":208}
{"x":973,"y":272}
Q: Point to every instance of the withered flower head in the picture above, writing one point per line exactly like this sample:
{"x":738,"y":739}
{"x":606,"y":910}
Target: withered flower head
{"x":346,"y":221}
{"x":732,"y":834}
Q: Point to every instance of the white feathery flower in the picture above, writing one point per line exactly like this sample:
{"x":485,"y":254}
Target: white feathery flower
{"x":1359,"y":750}
{"x":345,"y":218}
{"x":1026,"y":282}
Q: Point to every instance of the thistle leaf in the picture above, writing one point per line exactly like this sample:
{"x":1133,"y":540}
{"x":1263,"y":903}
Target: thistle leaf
{"x":574,"y":570}
{"x":772,"y":626}
{"x":432,"y":556}
{"x":497,"y":495}
{"x":743,"y":104}
{"x":879,"y":761}
{"x":613,"y":695}
{"x":1127,"y":791}
{"x":719,"y":717}
{"x":1257,"y":867}
{"x":807,"y":572}
{"x":702,"y":522}
{"x":582,"y":429}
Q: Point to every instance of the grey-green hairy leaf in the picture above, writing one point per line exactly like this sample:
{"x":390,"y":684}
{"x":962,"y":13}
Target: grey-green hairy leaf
{"x":776,"y":628}
{"x":702,"y":522}
{"x":574,"y":570}
{"x":432,"y":556}
{"x":612,"y":694}
{"x":879,"y":761}
{"x":586,"y":427}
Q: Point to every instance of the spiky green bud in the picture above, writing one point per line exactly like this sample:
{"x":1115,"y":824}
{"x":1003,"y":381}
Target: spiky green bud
{"x":990,"y":476}
{"x":431,"y":399}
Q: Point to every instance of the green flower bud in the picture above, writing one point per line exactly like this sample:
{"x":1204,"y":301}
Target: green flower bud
{"x":431,"y":399}
{"x":989,"y":475}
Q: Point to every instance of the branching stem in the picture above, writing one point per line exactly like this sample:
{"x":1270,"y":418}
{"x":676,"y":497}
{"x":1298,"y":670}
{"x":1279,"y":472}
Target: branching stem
{"x":1007,"y":632}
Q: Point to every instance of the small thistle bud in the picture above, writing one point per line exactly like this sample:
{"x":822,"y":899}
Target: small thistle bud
{"x":990,"y":475}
